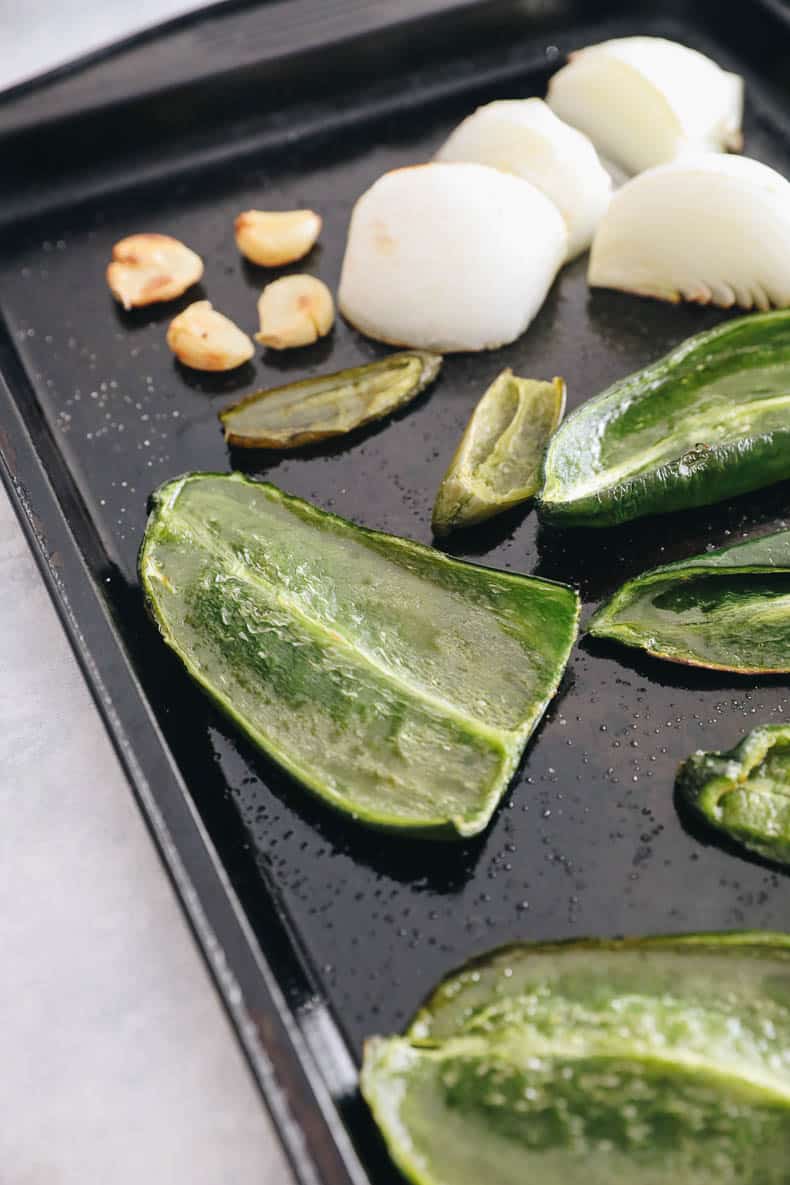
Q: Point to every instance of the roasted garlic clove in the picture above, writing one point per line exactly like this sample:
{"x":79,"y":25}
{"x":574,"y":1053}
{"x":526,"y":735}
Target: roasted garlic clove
{"x":147,"y":268}
{"x":274,"y":238}
{"x":204,"y":339}
{"x":294,"y":311}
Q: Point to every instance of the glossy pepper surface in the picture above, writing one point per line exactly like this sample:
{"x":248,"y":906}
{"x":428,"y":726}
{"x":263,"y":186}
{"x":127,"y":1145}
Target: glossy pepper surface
{"x":328,"y":405}
{"x":588,"y":1063}
{"x":708,"y":421}
{"x":728,"y":610}
{"x":498,"y":463}
{"x":745,"y":792}
{"x":399,"y":685}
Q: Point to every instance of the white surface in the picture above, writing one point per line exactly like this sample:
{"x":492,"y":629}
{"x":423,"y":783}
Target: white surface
{"x":38,"y":35}
{"x":119,"y":1066}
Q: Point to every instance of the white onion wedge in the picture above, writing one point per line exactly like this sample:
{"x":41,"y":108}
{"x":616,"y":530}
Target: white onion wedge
{"x":644,"y":101}
{"x":714,"y":229}
{"x":525,"y":137}
{"x":449,"y":257}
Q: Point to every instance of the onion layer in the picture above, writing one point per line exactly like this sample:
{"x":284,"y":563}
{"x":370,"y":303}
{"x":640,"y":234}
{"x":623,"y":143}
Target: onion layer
{"x":449,"y":257}
{"x":714,"y":229}
{"x":525,"y":137}
{"x":645,"y":100}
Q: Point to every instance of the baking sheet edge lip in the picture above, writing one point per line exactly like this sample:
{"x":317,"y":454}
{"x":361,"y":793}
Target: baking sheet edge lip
{"x":62,"y":566}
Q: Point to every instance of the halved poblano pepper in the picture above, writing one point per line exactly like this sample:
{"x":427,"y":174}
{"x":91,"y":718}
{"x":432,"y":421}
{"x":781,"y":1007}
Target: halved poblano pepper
{"x":744,"y":793}
{"x":328,"y":405}
{"x":398,"y":684}
{"x":588,"y":1063}
{"x":728,"y":610}
{"x":707,"y":422}
{"x":499,"y":460}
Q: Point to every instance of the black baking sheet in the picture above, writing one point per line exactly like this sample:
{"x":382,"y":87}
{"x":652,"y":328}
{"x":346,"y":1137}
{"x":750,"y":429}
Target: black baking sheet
{"x":356,"y":926}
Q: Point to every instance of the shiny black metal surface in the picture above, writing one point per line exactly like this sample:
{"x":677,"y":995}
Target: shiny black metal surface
{"x":324,"y":933}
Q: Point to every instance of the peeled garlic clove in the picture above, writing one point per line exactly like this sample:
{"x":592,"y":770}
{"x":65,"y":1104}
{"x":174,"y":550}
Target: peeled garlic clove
{"x":148,"y":268}
{"x":294,"y":311}
{"x":525,"y":137}
{"x":204,"y":339}
{"x":714,"y":229}
{"x":450,"y":257}
{"x":645,"y":100}
{"x":272,"y":238}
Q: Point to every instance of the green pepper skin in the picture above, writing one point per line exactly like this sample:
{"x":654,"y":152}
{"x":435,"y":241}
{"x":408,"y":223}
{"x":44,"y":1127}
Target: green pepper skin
{"x":709,"y":421}
{"x":498,"y":463}
{"x":744,"y":793}
{"x":328,"y":405}
{"x":728,"y":610}
{"x":398,"y":684}
{"x":585,"y":1063}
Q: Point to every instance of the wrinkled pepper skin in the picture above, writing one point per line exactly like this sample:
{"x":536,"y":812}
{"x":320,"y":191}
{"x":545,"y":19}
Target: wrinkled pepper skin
{"x":728,"y":610}
{"x":498,"y":463}
{"x":587,"y":1063}
{"x":744,"y":793}
{"x":709,"y":421}
{"x":396,"y":683}
{"x":328,"y":405}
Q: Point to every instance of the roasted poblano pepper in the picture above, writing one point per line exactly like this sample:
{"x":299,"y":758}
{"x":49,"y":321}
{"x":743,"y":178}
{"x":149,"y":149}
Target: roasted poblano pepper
{"x":745,"y":792}
{"x":728,"y":610}
{"x":499,"y":460}
{"x":329,"y":405}
{"x":395,"y":682}
{"x":707,"y":422}
{"x":644,"y":1062}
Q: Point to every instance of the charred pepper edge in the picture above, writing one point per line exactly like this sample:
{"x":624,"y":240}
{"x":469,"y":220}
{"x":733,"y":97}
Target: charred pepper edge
{"x":431,"y":365}
{"x":512,"y":744}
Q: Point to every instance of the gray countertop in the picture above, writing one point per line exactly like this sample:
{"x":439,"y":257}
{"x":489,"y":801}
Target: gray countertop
{"x":119,"y":1064}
